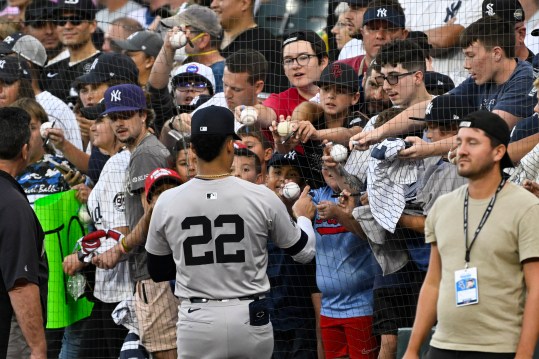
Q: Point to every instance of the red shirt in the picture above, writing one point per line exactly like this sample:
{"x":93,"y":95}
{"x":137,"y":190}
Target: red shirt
{"x":285,"y":102}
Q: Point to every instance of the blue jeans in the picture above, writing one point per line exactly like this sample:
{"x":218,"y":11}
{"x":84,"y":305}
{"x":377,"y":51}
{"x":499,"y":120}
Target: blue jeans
{"x":72,"y":340}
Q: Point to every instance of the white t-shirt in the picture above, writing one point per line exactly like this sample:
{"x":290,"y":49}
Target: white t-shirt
{"x":106,"y":205}
{"x":104,"y":16}
{"x":351,"y":49}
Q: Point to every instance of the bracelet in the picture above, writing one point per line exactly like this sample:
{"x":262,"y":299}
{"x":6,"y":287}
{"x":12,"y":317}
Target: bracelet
{"x":123,"y":246}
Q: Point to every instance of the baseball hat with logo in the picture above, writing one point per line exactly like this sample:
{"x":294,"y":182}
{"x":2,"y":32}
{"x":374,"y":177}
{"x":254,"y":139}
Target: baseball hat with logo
{"x":447,"y":108}
{"x":194,"y":71}
{"x":507,"y":10}
{"x":85,"y":8}
{"x":391,"y":14}
{"x":341,"y":75}
{"x":159,"y":176}
{"x":198,"y":17}
{"x":318,"y":45}
{"x":123,"y":98}
{"x":12,"y":69}
{"x":25,"y":45}
{"x":494,"y":126}
{"x":437,"y":83}
{"x":291,"y":158}
{"x":213,"y":120}
{"x":108,"y":66}
{"x":147,"y":41}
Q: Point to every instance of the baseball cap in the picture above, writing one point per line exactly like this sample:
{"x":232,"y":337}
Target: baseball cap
{"x":318,"y":45}
{"x":126,"y":97}
{"x":12,"y":69}
{"x":507,"y":10}
{"x":213,"y":120}
{"x":195,"y":71}
{"x":38,"y":10}
{"x":108,"y":66}
{"x":391,"y":14}
{"x":25,"y":45}
{"x":147,"y":41}
{"x":446,"y":108}
{"x":157,"y":177}
{"x":339,"y":74}
{"x":93,"y":112}
{"x":436,"y":82}
{"x":291,"y":158}
{"x":199,"y":17}
{"x":84,"y":7}
{"x":494,"y":126}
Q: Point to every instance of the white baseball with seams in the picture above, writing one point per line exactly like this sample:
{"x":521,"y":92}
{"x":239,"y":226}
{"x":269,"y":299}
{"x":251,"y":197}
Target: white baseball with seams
{"x":284,"y":128}
{"x":291,"y":190}
{"x":339,"y":153}
{"x":248,"y":115}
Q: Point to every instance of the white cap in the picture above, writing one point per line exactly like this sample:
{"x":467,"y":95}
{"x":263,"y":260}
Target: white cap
{"x":194,"y":68}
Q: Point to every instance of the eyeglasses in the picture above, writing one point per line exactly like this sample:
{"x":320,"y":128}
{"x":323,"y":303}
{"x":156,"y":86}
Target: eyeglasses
{"x":191,"y":86}
{"x":124,"y":115}
{"x":74,"y":20}
{"x":392,"y":79}
{"x":302,"y":60}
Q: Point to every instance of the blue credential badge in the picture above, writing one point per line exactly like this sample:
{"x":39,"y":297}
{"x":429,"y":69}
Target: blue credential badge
{"x":466,"y":287}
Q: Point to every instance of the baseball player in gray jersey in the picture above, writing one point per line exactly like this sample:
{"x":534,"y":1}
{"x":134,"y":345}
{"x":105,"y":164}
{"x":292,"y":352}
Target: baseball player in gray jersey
{"x":210,"y":234}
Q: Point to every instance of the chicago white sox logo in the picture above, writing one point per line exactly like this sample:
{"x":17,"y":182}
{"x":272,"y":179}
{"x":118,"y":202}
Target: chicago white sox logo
{"x":2,"y":63}
{"x":116,"y":95}
{"x":381,"y":12}
{"x":490,"y":10}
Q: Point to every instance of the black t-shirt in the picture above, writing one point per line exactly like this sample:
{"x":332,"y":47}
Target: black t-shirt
{"x":58,"y":77}
{"x":22,"y":255}
{"x":261,"y":40}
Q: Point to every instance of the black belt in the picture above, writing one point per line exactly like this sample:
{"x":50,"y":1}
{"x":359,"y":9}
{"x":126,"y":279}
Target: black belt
{"x":206,"y":300}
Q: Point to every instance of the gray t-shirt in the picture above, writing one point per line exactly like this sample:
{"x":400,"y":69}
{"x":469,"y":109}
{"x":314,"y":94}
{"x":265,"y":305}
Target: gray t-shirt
{"x":149,"y":155}
{"x":217,"y":232}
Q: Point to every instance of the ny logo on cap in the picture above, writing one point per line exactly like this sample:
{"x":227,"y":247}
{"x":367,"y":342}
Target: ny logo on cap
{"x":381,"y":12}
{"x":203,"y":129}
{"x":291,"y":155}
{"x":116,"y":96}
{"x":429,"y":109}
{"x":336,"y":70}
{"x":490,"y":9}
{"x":9,"y":40}
{"x":2,"y":63}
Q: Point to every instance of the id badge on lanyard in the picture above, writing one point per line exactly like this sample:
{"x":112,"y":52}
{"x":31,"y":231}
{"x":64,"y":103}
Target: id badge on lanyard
{"x":466,"y":287}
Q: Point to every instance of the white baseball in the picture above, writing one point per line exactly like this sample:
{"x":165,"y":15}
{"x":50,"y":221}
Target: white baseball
{"x":284,"y":128}
{"x":291,"y":190}
{"x":84,"y":216}
{"x":44,"y":127}
{"x":339,"y":153}
{"x":248,"y":115}
{"x":178,"y":40}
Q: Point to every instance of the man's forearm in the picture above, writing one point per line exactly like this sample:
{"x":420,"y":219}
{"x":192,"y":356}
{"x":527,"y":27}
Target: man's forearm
{"x":26,"y":305}
{"x":530,"y":321}
{"x":445,"y":36}
{"x":347,"y":181}
{"x":162,"y":67}
{"x":265,"y":116}
{"x":138,"y":235}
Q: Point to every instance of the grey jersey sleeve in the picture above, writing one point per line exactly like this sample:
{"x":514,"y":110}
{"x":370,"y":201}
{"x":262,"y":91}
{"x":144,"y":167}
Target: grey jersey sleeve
{"x":307,"y":253}
{"x":156,"y":241}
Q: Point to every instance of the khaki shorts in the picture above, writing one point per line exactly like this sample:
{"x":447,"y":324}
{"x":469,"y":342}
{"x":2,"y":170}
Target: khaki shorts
{"x":157,"y":314}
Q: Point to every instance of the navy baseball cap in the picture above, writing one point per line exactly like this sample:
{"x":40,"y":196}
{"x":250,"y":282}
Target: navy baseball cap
{"x":391,"y":14}
{"x":108,"y":66}
{"x":318,"y":45}
{"x":446,"y":108}
{"x":147,"y":41}
{"x":213,"y":120}
{"x":85,"y":8}
{"x":124,"y":97}
{"x":39,"y":10}
{"x":340,"y":74}
{"x":93,"y":112}
{"x":291,"y":158}
{"x":507,"y":10}
{"x":12,"y":69}
{"x":494,"y":126}
{"x":438,"y":83}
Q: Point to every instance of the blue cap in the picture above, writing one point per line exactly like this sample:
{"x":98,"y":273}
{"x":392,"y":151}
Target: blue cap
{"x":385,"y":13}
{"x":122,"y":98}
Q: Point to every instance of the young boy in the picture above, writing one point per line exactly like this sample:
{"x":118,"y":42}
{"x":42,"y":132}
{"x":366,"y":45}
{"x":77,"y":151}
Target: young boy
{"x":246,"y":164}
{"x":255,"y":141}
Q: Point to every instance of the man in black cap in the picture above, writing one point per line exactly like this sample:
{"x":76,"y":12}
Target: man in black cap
{"x":39,"y":22}
{"x":76,"y":25}
{"x":226,"y":282}
{"x":483,"y":277}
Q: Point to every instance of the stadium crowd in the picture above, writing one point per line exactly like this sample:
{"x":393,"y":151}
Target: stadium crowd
{"x":353,"y":181}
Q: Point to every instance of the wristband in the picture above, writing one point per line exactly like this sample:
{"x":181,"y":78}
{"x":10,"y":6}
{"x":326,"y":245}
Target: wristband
{"x":123,"y":246}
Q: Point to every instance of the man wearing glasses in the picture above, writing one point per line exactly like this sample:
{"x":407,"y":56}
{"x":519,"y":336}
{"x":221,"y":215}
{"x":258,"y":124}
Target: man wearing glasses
{"x":75,"y":26}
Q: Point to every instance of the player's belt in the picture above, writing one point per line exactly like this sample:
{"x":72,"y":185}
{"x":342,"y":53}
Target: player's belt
{"x":206,"y":300}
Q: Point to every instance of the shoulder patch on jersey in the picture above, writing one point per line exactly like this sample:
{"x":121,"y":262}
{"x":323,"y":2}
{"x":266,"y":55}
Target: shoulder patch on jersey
{"x":211,"y":195}
{"x":119,"y":202}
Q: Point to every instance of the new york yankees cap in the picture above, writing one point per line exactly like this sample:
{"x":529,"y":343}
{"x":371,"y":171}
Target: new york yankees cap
{"x":125,"y":97}
{"x":108,"y":66}
{"x":341,"y":75}
{"x":12,"y":69}
{"x":391,"y":14}
{"x":194,"y":71}
{"x":157,"y":177}
{"x":199,"y":17}
{"x":494,"y":126}
{"x":84,"y":7}
{"x":147,"y":41}
{"x":436,"y":82}
{"x":25,"y":45}
{"x":507,"y":10}
{"x":318,"y":45}
{"x":213,"y":120}
{"x":447,"y":108}
{"x":291,"y":158}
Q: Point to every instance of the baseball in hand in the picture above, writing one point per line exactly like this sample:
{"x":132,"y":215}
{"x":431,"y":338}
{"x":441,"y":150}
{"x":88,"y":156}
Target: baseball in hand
{"x":284,"y":128}
{"x":178,"y":40}
{"x":339,"y":153}
{"x":84,"y":216}
{"x":248,"y":115}
{"x":291,"y":190}
{"x":44,"y":127}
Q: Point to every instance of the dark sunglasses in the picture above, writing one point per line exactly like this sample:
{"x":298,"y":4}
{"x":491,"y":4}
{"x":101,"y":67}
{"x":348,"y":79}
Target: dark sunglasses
{"x":124,"y":115}
{"x":392,"y":79}
{"x":74,"y":20}
{"x":191,"y":86}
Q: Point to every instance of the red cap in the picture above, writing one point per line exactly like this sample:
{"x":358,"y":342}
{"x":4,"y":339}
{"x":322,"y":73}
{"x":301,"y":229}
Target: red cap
{"x":158,"y":176}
